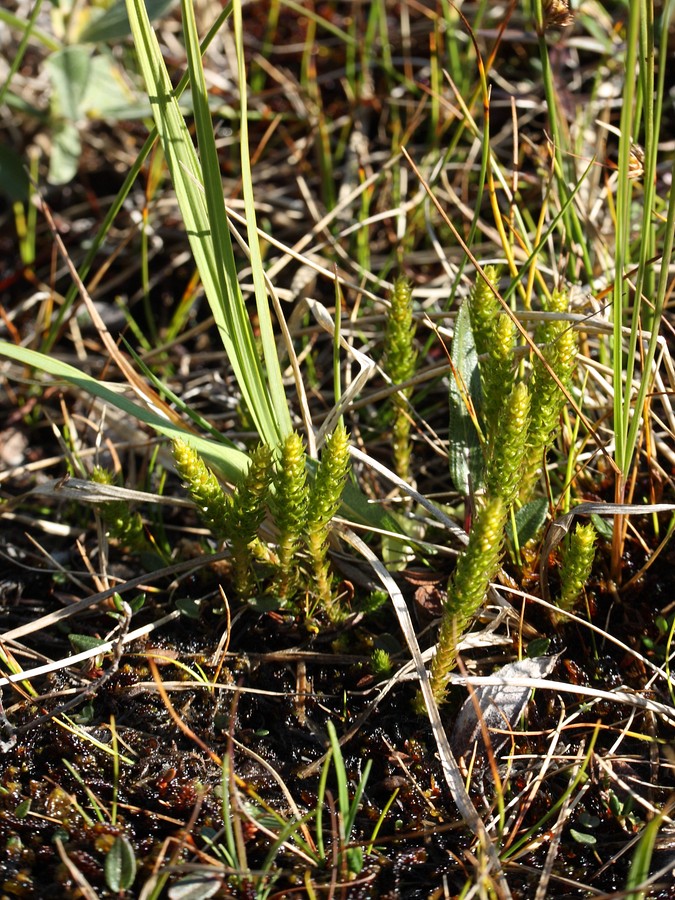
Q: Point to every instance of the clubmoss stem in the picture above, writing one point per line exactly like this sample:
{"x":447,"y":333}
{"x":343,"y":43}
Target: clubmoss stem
{"x":476,"y":567}
{"x":400,"y":360}
{"x":578,"y":561}
{"x":289,"y":510}
{"x":324,"y":500}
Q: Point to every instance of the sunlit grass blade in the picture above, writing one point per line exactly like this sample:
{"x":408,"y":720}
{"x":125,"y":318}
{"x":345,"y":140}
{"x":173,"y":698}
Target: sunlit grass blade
{"x":231,"y":462}
{"x":118,"y":202}
{"x":200,"y":198}
{"x":277,"y":392}
{"x":641,"y":862}
{"x":560,"y":141}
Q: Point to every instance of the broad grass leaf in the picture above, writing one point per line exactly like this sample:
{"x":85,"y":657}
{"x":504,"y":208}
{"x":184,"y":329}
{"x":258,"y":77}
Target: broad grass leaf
{"x":228,"y":460}
{"x":464,"y":451}
{"x":199,"y":193}
{"x":113,"y":24}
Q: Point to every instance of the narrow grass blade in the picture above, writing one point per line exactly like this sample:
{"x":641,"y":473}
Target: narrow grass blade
{"x":641,"y":862}
{"x":268,"y":340}
{"x":118,"y":202}
{"x":202,"y":208}
{"x":231,"y":462}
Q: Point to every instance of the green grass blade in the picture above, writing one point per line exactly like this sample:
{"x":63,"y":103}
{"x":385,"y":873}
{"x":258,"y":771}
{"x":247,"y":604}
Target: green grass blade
{"x":200,"y":206}
{"x":644,"y":283}
{"x":662,"y":292}
{"x":340,"y":775}
{"x":231,"y":462}
{"x":276,"y":387}
{"x":18,"y":23}
{"x":641,"y":862}
{"x":21,"y":50}
{"x":622,"y":245}
{"x":560,"y":140}
{"x":118,"y":202}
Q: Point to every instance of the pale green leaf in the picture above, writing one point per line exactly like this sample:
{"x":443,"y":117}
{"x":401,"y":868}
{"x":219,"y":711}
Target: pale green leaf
{"x":529,"y":520}
{"x":65,"y":157}
{"x":68,"y":71}
{"x":113,"y":24}
{"x":464,"y":451}
{"x":120,"y":865}
{"x":106,"y":93}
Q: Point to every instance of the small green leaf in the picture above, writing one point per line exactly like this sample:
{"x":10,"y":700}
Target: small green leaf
{"x":188,"y":607}
{"x":85,"y":715}
{"x":114,"y":25}
{"x":529,"y":520}
{"x":604,"y":527}
{"x":23,"y":808}
{"x":84,"y":642}
{"x":266,"y":603}
{"x":69,"y":73}
{"x":538,"y":647}
{"x":137,"y":603}
{"x":588,"y":821}
{"x":615,"y":805}
{"x":120,"y":865}
{"x":354,"y":859}
{"x":581,"y":837}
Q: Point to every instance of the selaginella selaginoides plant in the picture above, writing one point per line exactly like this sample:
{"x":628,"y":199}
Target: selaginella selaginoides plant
{"x":324,"y":501}
{"x":122,"y":524}
{"x":521,"y":423}
{"x":495,"y":339}
{"x":399,"y":363}
{"x":234,"y":517}
{"x":577,"y":562}
{"x":301,"y":512}
{"x":479,"y":563}
{"x":289,"y":512}
{"x":558,"y":343}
